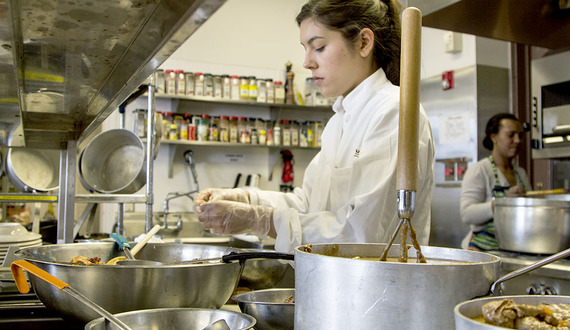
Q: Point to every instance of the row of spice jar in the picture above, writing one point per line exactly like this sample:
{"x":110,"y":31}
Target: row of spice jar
{"x":243,"y":130}
{"x":223,"y":87}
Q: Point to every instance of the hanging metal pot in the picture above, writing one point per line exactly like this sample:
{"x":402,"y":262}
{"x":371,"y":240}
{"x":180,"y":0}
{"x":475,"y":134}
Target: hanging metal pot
{"x":114,"y":162}
{"x":33,"y":170}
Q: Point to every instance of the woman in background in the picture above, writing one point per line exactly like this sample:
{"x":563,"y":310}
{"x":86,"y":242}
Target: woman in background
{"x":349,"y":190}
{"x":492,"y":177}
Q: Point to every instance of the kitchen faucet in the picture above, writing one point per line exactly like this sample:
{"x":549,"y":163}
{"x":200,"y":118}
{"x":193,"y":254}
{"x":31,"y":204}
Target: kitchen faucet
{"x":173,"y":195}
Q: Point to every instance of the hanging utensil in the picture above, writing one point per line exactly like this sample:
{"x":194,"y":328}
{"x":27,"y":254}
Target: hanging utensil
{"x":17,"y":269}
{"x":407,"y":164}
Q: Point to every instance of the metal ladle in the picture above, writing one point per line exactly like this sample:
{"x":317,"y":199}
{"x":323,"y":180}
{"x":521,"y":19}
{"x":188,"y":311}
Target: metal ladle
{"x":17,"y":268}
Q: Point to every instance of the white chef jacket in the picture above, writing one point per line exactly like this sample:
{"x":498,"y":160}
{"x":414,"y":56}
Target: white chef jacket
{"x":349,"y":189}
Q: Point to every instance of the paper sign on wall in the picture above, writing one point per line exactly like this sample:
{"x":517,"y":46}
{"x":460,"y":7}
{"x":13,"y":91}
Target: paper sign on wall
{"x":453,"y":129}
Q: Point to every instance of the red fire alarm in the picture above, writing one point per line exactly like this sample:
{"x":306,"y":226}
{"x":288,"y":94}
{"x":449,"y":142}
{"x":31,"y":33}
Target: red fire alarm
{"x":447,"y":80}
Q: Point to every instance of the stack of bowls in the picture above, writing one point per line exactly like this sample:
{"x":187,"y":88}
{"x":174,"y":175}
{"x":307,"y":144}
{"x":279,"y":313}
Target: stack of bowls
{"x":14,"y":234}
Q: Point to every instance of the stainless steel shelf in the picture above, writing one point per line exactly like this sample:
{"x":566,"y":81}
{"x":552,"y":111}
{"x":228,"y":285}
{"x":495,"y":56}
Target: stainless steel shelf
{"x":232,"y":144}
{"x":65,"y":66}
{"x":82,"y":198}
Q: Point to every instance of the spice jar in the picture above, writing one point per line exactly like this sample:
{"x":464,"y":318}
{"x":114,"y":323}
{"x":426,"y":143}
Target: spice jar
{"x":279,"y":92}
{"x":286,"y":132}
{"x":269,"y":133}
{"x":270,"y":90}
{"x":170,"y":80}
{"x":262,"y":137}
{"x":180,"y":82}
{"x":213,"y":130}
{"x":226,"y":87}
{"x":208,"y":85}
{"x":172,"y":132}
{"x":218,"y":87}
{"x":243,"y":88}
{"x":203,"y":128}
{"x":252,"y":88}
{"x":199,"y":84}
{"x":294,"y":133}
{"x":233,"y":129}
{"x":277,"y":134}
{"x":160,"y":81}
{"x":189,"y":77}
{"x":261,"y":91}
{"x":234,"y":88}
{"x":224,"y":129}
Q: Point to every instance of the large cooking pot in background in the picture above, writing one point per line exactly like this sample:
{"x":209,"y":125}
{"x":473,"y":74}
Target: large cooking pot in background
{"x":114,"y":162}
{"x":33,"y":170}
{"x":468,"y":310}
{"x":126,"y":288}
{"x":333,"y":290}
{"x":532,"y":225}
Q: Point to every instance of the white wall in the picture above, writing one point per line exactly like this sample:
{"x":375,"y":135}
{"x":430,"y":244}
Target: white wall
{"x":257,"y":37}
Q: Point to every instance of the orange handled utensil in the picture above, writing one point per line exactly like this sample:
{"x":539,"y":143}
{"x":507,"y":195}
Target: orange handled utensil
{"x":17,"y":268}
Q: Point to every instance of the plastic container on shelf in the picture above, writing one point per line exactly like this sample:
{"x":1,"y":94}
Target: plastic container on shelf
{"x":310,"y":134}
{"x":294,"y":133}
{"x":263,"y":137}
{"x":168,"y":120}
{"x":178,"y":122}
{"x":184,"y":130}
{"x":303,"y":135}
{"x":214,"y":130}
{"x":310,"y":91}
{"x":198,"y":84}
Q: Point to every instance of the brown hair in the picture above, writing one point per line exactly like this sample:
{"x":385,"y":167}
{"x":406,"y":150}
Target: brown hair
{"x":350,"y":17}
{"x":493,"y":126}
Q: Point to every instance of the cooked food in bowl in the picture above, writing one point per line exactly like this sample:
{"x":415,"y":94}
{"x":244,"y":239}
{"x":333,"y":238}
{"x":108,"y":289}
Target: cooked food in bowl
{"x":508,"y":314}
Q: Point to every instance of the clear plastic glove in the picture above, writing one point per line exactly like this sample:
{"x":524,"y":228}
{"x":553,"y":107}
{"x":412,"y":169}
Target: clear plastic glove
{"x":228,"y":218}
{"x":216,"y":194}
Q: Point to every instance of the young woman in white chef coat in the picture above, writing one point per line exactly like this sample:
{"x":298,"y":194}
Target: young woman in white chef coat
{"x":349,"y":188}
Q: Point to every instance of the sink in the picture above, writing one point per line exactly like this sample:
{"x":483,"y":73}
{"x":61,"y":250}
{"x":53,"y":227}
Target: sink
{"x":187,"y":230}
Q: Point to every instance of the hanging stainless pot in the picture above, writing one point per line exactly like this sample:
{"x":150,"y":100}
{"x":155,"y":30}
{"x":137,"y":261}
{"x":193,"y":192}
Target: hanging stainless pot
{"x":114,"y":162}
{"x":335,"y":291}
{"x":532,"y":225}
{"x":33,"y":170}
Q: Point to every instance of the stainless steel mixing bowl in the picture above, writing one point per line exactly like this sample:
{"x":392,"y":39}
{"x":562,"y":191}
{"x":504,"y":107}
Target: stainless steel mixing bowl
{"x":176,"y":318}
{"x":269,"y":307}
{"x":128,"y":288}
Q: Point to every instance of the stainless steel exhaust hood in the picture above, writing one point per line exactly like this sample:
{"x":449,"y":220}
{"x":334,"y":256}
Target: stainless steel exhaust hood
{"x":541,"y":23}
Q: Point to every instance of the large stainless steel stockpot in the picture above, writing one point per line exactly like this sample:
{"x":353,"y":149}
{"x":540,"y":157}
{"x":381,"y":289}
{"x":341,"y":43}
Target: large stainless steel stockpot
{"x":335,"y":291}
{"x":465,"y":312}
{"x":532,"y":225}
{"x":127,"y":288}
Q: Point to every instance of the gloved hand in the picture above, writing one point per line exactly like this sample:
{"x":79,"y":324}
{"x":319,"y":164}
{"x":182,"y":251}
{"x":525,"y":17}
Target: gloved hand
{"x":215,"y":194}
{"x":227,"y":218}
{"x":516,"y":191}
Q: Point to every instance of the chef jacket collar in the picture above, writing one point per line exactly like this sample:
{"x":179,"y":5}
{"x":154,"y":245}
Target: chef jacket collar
{"x":359,"y":96}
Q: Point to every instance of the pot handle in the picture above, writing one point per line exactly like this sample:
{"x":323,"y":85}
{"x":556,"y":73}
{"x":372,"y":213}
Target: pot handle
{"x":524,"y":270}
{"x":242,"y":256}
{"x":17,"y":268}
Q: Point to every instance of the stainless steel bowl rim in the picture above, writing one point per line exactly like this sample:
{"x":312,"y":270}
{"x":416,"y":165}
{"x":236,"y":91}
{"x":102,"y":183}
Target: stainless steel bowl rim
{"x":530,"y":202}
{"x":240,"y":297}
